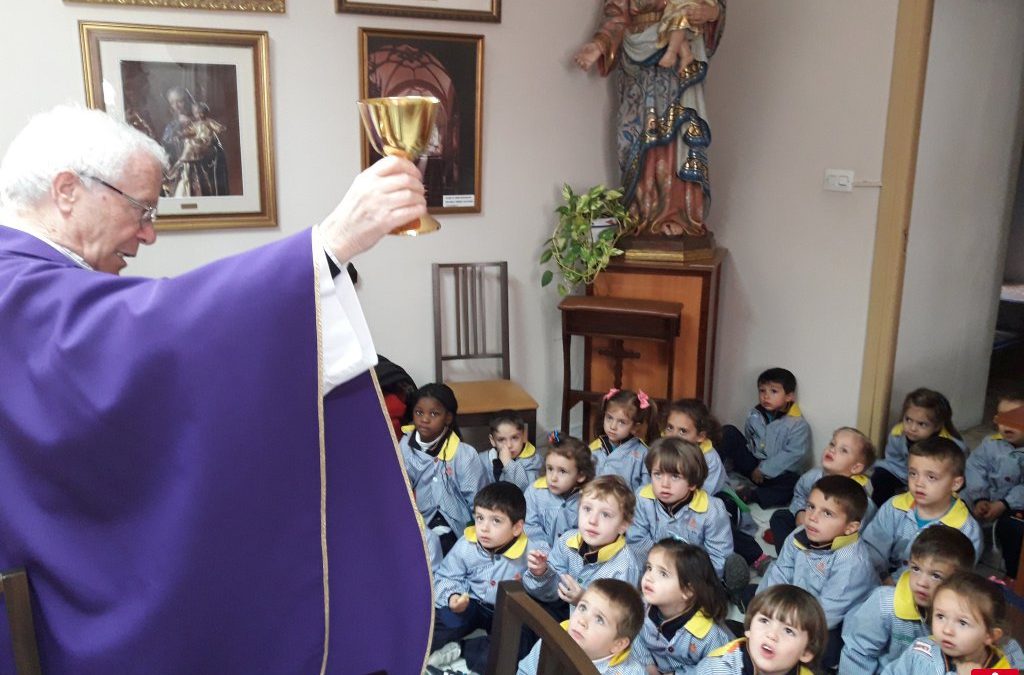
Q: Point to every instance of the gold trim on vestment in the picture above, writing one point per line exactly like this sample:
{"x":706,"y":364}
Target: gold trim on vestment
{"x":318,"y":250}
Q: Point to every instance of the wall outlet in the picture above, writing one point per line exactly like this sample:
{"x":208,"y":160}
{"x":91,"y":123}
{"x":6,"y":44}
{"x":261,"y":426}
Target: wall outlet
{"x":839,"y":180}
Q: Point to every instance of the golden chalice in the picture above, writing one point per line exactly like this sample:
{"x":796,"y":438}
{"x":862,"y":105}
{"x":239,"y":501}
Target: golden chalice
{"x":401,"y":125}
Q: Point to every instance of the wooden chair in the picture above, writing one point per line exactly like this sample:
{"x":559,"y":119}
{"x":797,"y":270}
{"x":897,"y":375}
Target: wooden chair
{"x":471,"y":323}
{"x":15,"y":595}
{"x":559,"y":653}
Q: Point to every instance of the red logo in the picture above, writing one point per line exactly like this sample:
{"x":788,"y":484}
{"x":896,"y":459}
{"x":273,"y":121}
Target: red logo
{"x":995,"y":671}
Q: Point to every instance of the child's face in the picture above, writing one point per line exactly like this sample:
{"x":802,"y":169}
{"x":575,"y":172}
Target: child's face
{"x":494,"y":529}
{"x":776,"y":646}
{"x":1014,"y":437}
{"x":670,"y":488}
{"x":958,"y":628}
{"x":601,"y":520}
{"x":925,"y":576}
{"x":660,"y":582}
{"x":824,"y":519}
{"x":508,"y":436}
{"x":618,"y":423}
{"x":844,"y":455}
{"x":931,"y":481}
{"x":594,"y":625}
{"x":679,"y":424}
{"x":773,"y":397}
{"x":562,"y":474}
{"x":430,"y":418}
{"x":919,"y":424}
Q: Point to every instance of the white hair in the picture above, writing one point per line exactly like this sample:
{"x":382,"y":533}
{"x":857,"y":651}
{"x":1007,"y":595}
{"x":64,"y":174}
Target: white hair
{"x":68,"y":138}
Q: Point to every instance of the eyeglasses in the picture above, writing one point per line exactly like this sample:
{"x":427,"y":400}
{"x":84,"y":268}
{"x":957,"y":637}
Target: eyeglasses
{"x":148,"y":212}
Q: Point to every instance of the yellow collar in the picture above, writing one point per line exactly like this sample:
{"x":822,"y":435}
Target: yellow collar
{"x":728,"y":648}
{"x":450,"y":446}
{"x":605,"y":553}
{"x":837,"y":543}
{"x":514,"y":551}
{"x":861,"y":479}
{"x":541,"y":483}
{"x":955,"y":517}
{"x":528,"y":451}
{"x":699,"y":502}
{"x":699,"y":625}
{"x":996,"y":436}
{"x":794,"y":410}
{"x":706,"y":446}
{"x":903,"y":604}
{"x":616,"y":659}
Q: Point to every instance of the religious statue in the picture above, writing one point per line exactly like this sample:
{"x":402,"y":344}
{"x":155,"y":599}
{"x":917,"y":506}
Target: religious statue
{"x":192,"y":141}
{"x":662,"y":49}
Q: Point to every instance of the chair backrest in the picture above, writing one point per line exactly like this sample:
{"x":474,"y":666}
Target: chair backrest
{"x":559,"y":653}
{"x":470,"y":314}
{"x":15,"y":596}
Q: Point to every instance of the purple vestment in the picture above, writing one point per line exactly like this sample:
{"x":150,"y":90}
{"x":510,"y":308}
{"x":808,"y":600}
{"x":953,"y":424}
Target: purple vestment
{"x":160,"y":475}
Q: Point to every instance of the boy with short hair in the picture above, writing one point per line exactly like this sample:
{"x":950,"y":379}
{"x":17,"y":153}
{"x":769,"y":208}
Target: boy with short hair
{"x":785,"y":632}
{"x":825,"y":557}
{"x":1009,"y":529}
{"x":490,"y":551}
{"x":935,"y":474}
{"x":850,"y":453}
{"x":553,"y":500}
{"x":597,"y":550}
{"x":607,"y":619}
{"x":892,"y":617}
{"x":776,"y":440}
{"x":512,"y":457}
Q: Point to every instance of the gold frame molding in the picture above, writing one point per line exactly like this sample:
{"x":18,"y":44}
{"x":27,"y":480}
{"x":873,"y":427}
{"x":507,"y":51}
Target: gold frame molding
{"x":899,"y":167}
{"x":271,"y":6}
{"x":92,"y":37}
{"x":477,"y":42}
{"x":437,"y":11}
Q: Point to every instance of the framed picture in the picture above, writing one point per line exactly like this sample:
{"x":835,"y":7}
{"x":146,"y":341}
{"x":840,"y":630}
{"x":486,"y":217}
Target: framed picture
{"x":459,"y":10}
{"x":450,"y":68}
{"x":204,"y":96}
{"x":236,"y":5}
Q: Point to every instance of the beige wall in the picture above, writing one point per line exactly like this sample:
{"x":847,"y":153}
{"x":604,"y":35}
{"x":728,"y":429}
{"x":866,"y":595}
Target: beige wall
{"x":968,"y":160}
{"x":797,"y":86}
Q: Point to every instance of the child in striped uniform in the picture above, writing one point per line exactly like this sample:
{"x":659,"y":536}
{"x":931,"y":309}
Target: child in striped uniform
{"x":936,"y":473}
{"x":444,"y":472}
{"x":675,"y":505}
{"x":926,"y":413}
{"x":605,"y":623}
{"x":825,"y":558}
{"x":849,"y":453}
{"x":490,"y":551}
{"x":597,"y":550}
{"x":685,"y":608}
{"x":884,"y":626}
{"x":968,"y":624}
{"x":690,"y":420}
{"x":553,"y":501}
{"x":618,"y":451}
{"x":785,"y":634}
{"x":511,"y":458}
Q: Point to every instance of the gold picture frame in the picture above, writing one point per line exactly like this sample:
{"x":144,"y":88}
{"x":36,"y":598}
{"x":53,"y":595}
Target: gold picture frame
{"x":457,"y":10}
{"x":204,"y":95}
{"x":450,"y":67}
{"x":274,"y":6}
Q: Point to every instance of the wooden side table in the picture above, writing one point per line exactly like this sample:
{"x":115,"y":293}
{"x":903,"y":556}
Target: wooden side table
{"x":616,"y":319}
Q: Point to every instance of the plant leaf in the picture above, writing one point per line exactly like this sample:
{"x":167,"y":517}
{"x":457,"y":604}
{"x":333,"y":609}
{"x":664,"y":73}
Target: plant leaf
{"x":545,"y":278}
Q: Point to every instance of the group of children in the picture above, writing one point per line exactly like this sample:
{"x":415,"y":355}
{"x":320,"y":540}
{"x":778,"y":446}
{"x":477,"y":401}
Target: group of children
{"x":640,"y":541}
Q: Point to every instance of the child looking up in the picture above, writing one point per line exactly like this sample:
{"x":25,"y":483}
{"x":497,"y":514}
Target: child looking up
{"x":892,"y":617}
{"x":597,"y":550}
{"x":690,"y":420}
{"x":618,"y":450}
{"x":775,"y":443}
{"x":785,"y":632}
{"x":926,"y":413}
{"x":606,"y":621}
{"x":674,"y":505}
{"x":849,"y":453}
{"x":685,"y":608}
{"x":553,"y":501}
{"x":968,"y":619}
{"x":491,"y":550}
{"x":825,"y":558}
{"x":511,"y":457}
{"x":936,"y":473}
{"x":444,"y":472}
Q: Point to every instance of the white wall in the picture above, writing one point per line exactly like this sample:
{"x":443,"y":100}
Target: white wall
{"x":1014,"y":271}
{"x":966,"y":182}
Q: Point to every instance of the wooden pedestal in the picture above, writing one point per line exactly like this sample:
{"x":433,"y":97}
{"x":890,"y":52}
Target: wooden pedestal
{"x":693,"y":284}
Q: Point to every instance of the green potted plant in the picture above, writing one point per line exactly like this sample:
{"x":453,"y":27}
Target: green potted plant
{"x":590,"y":224}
